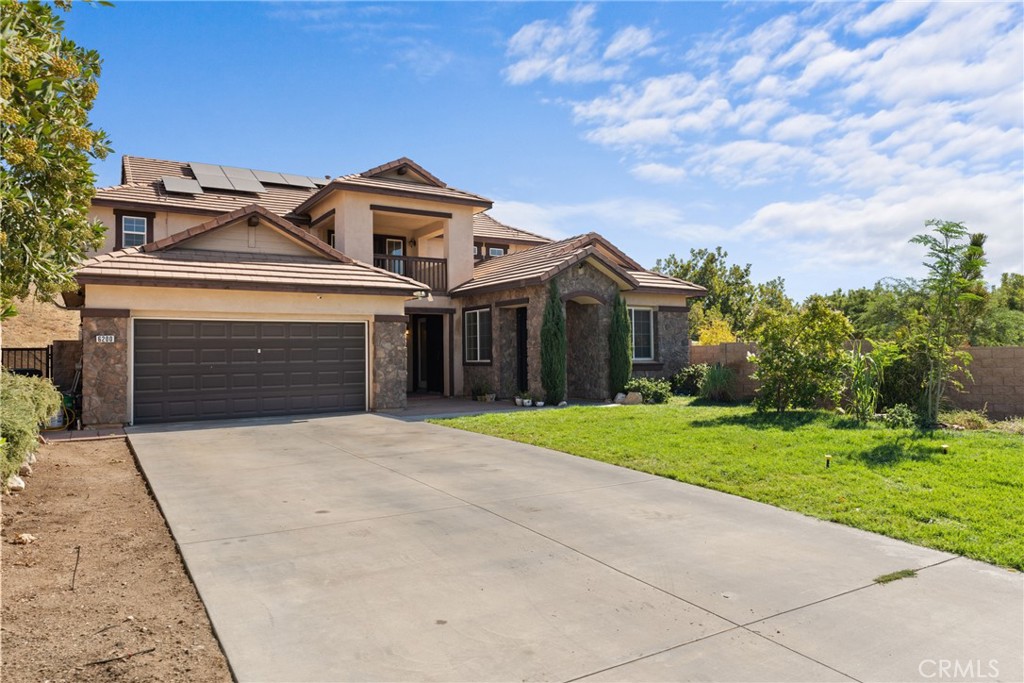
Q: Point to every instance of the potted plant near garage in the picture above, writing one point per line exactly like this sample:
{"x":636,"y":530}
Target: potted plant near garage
{"x":521,"y":397}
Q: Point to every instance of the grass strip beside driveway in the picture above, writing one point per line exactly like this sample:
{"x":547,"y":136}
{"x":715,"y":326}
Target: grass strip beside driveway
{"x":893,"y":482}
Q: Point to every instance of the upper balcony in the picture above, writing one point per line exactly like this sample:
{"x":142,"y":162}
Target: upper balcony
{"x":432,"y":272}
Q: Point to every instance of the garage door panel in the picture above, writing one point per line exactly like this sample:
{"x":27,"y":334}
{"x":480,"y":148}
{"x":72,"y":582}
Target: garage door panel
{"x":188,"y":370}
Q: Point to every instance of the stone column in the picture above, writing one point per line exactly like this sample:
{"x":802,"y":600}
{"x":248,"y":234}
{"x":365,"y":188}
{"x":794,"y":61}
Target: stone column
{"x":673,"y":338}
{"x":105,"y":364}
{"x":390,"y":374}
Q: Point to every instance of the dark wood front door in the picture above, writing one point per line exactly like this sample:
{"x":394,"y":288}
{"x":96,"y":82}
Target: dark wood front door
{"x":428,"y":353}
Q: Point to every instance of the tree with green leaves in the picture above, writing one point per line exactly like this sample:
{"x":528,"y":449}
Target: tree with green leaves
{"x":553,"y":348}
{"x":800,"y":357}
{"x":732,"y":295}
{"x":620,"y":343}
{"x":955,"y":263}
{"x":47,"y":88}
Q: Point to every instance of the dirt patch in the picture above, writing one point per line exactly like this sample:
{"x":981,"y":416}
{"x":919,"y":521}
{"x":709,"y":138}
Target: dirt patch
{"x":38,"y":324}
{"x":86,"y":504}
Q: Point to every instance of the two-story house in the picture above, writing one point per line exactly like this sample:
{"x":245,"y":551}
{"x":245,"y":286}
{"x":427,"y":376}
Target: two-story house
{"x":229,"y":292}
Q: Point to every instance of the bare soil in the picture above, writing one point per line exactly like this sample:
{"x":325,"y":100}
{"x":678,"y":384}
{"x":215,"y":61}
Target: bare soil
{"x":39,"y":324}
{"x":102,"y":580}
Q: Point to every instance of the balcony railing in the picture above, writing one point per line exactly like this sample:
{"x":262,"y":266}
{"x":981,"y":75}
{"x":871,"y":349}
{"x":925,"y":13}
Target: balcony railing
{"x":432,"y":272}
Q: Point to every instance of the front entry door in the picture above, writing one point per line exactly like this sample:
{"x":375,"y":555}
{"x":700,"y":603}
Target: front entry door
{"x":428,"y":353}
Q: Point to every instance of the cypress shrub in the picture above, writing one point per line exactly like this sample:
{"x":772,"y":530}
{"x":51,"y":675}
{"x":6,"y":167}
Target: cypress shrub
{"x":620,"y":342}
{"x":553,"y":348}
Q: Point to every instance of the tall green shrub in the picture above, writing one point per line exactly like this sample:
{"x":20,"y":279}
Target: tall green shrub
{"x":620,"y":343}
{"x":801,"y":359}
{"x":25,"y":403}
{"x":553,"y":348}
{"x":955,"y":262}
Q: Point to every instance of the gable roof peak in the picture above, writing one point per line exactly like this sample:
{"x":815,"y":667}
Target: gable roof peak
{"x":402,"y":165}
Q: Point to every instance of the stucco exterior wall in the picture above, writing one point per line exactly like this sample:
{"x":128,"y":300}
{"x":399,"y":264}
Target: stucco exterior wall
{"x":165,"y":224}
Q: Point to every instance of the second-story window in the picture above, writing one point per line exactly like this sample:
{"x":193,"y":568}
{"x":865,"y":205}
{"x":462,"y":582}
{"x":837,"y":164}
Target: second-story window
{"x":496,"y":251}
{"x":395,"y":247}
{"x":133,"y":231}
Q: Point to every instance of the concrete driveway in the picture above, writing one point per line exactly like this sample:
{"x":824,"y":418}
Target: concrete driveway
{"x":364,"y":548}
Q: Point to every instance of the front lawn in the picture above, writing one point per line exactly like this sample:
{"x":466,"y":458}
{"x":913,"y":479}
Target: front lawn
{"x":895,"y":482}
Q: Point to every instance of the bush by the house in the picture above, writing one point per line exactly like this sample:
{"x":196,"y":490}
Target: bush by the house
{"x":686,"y":382}
{"x":25,"y":403}
{"x":717,"y":383}
{"x":900,"y":416}
{"x":651,"y":390}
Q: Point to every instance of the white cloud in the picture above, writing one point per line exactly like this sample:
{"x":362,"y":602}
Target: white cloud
{"x":855,"y":124}
{"x":658,"y":173}
{"x":570,"y":53}
{"x":630,"y":41}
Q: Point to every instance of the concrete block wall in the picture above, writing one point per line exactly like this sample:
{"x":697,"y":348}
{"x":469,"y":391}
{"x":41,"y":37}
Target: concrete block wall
{"x":997,"y":385}
{"x":733,"y":356}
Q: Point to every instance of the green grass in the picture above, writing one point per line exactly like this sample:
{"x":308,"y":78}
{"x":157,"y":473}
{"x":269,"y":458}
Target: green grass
{"x":896,"y":576}
{"x":899,"y":483}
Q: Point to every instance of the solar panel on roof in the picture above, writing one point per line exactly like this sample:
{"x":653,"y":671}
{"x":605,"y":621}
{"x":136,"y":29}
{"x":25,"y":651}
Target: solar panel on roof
{"x":297,"y":180}
{"x":208,"y":169}
{"x":247,"y":184}
{"x":270,"y":177}
{"x":181,"y":185}
{"x":235,"y":172}
{"x":211,"y":181}
{"x":319,"y":182}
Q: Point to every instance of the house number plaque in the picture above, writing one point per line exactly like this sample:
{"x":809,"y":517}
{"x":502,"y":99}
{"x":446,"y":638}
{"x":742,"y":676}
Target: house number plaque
{"x":104,"y":339}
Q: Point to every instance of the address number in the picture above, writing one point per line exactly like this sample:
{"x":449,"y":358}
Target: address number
{"x":104,"y":339}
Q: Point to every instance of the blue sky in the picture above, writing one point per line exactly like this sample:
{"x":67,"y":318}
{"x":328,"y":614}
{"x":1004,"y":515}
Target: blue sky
{"x":811,"y":140}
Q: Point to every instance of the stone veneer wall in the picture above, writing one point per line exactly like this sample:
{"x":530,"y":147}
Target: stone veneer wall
{"x":389,"y":365}
{"x":105,"y":371}
{"x":67,"y":354}
{"x":672,"y":345}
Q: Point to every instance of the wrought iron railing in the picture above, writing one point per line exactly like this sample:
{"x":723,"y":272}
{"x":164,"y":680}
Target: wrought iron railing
{"x":432,"y":272}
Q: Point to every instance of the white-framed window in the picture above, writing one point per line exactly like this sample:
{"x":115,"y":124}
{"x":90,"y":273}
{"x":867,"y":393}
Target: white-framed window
{"x":476,"y":250}
{"x":476,"y":332}
{"x":395,"y":247}
{"x":133,"y":231}
{"x":495,"y":251}
{"x":641,"y":321}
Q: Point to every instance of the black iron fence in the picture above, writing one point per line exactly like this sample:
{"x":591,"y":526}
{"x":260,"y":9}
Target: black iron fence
{"x":37,"y":361}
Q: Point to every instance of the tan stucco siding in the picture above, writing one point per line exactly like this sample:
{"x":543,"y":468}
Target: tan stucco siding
{"x":243,"y":238}
{"x":353,"y":226}
{"x":238,"y":304}
{"x":653,"y":300}
{"x":165,"y":224}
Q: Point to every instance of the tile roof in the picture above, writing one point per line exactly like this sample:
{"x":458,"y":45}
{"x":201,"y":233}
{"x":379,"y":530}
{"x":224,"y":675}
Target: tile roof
{"x":356,"y":182}
{"x":167,"y":262}
{"x":541,"y":263}
{"x":232,"y":270}
{"x":650,"y":281}
{"x":487,"y":228}
{"x":408,"y":163}
{"x":141,"y":185}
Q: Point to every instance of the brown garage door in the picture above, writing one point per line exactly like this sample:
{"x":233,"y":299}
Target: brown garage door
{"x":208,"y":369}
